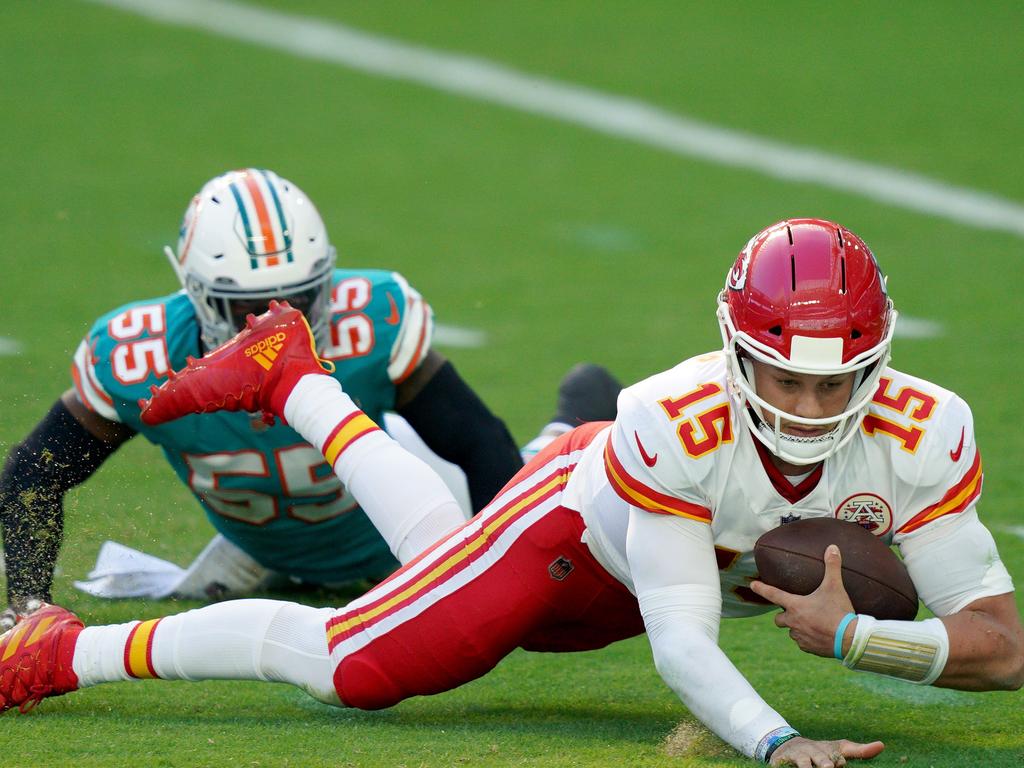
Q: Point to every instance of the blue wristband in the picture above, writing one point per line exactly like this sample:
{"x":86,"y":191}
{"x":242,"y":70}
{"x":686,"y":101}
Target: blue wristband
{"x":837,"y":651}
{"x":772,"y":741}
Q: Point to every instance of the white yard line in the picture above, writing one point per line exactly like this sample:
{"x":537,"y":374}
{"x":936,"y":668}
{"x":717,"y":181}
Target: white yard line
{"x":9,"y":346}
{"x":603,"y":112}
{"x":454,"y":336}
{"x":1016,"y":530}
{"x":917,"y":328}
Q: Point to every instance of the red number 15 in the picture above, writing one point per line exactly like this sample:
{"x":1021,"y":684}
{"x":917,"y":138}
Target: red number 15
{"x":707,"y":430}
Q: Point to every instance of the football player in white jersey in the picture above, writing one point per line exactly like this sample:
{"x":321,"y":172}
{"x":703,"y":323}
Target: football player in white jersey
{"x":645,"y":524}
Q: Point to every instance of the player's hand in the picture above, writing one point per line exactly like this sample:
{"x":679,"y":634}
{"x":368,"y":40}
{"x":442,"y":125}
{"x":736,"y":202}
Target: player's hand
{"x":805,"y":753}
{"x":812,"y":619}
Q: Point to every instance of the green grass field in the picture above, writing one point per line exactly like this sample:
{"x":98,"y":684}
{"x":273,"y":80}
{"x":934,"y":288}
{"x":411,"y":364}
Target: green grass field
{"x":560,"y":243}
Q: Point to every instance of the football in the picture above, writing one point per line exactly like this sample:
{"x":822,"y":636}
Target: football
{"x":790,"y":557}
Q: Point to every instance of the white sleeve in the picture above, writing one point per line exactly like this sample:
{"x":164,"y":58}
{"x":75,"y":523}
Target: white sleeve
{"x":673,"y":567}
{"x":412,"y":514}
{"x":953,"y":561}
{"x":413,"y":340}
{"x":87,"y":384}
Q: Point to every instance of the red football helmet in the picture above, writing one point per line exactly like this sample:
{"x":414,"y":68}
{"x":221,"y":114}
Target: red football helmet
{"x":807,"y":296}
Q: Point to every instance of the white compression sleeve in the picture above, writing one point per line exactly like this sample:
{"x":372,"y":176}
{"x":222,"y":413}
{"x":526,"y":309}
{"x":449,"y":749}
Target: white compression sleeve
{"x":673,"y":567}
{"x":404,"y":498}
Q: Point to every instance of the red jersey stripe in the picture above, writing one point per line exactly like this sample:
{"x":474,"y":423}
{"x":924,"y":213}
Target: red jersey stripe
{"x":957,"y":499}
{"x":632,"y":491}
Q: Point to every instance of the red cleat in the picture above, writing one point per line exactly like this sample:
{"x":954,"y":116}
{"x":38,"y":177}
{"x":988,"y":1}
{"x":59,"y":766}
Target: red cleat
{"x":254,"y":371}
{"x":35,"y":658}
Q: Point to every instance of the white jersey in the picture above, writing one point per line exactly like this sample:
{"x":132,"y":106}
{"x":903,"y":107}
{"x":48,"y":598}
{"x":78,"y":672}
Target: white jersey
{"x":912,"y":474}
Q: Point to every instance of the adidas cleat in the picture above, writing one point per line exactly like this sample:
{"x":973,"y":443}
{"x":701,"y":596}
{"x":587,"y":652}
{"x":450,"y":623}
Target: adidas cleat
{"x":35,"y":658}
{"x":588,"y":392}
{"x":254,"y":371}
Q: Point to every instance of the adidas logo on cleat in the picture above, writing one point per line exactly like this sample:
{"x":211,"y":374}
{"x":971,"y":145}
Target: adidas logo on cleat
{"x":265,"y":351}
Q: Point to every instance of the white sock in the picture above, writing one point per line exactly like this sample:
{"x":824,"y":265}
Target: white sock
{"x":547,"y":436}
{"x":404,"y":498}
{"x":317,"y":406}
{"x":237,"y":640}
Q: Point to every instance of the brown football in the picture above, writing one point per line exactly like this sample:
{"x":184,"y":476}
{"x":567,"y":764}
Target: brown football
{"x":790,"y":557}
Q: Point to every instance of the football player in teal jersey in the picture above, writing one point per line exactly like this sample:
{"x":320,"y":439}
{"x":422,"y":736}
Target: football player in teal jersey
{"x":250,"y":236}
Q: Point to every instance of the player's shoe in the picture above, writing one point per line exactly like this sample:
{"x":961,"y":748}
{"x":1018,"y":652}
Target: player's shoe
{"x":254,"y":371}
{"x":35,"y":658}
{"x":588,"y":392}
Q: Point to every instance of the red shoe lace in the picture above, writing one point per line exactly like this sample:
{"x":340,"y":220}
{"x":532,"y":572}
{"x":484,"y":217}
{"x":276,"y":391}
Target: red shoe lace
{"x":37,"y":694}
{"x":20,"y":675}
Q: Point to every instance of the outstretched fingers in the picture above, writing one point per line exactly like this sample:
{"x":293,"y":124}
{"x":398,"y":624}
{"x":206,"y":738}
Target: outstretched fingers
{"x":805,"y":753}
{"x":779,"y":597}
{"x":857,"y":751}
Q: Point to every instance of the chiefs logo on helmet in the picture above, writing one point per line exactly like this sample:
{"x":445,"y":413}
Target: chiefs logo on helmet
{"x":737,"y":278}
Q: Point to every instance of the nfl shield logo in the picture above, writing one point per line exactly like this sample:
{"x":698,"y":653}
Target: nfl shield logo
{"x":560,"y":568}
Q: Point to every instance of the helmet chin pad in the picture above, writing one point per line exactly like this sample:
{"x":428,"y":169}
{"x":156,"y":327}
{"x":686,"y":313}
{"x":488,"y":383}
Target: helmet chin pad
{"x":797,"y":450}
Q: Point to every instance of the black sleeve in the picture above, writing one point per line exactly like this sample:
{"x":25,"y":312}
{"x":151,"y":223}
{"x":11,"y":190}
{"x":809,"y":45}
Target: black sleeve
{"x":454,"y":422}
{"x":58,"y":455}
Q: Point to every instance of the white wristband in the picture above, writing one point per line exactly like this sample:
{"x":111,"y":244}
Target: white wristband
{"x":914,"y":651}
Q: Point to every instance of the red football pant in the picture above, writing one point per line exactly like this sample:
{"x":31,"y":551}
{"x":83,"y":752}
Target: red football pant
{"x":516,"y":575}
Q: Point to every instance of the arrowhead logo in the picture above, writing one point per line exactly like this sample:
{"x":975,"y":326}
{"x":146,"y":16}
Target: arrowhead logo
{"x":649,"y":460}
{"x":955,"y":454}
{"x":265,"y":351}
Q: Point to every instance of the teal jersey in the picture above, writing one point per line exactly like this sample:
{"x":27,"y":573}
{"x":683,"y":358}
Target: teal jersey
{"x":264,"y":487}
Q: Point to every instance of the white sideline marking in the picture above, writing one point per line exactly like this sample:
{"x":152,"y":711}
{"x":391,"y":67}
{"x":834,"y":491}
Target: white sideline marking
{"x":453,"y":336}
{"x":605,"y":238}
{"x":9,"y":346}
{"x":1016,"y":530}
{"x":603,"y":112}
{"x":917,"y":328}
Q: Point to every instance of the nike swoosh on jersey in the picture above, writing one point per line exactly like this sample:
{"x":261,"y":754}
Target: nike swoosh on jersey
{"x":955,"y":455}
{"x":393,"y":318}
{"x":649,"y":460}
